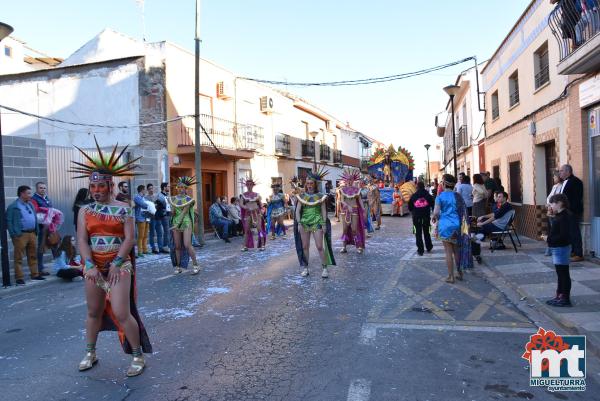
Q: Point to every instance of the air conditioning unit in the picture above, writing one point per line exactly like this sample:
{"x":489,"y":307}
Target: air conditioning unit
{"x":224,"y":90}
{"x":266,"y":104}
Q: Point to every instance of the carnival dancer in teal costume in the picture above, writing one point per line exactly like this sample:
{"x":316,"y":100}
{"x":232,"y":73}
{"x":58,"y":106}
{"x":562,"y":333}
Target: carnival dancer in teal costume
{"x":182,"y":226}
{"x":310,"y":218}
{"x":276,"y":210}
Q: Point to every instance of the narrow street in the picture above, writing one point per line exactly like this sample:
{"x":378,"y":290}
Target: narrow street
{"x":385,"y":326}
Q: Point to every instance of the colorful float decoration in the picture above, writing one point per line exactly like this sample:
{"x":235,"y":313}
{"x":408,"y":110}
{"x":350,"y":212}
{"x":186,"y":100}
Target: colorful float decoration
{"x":393,"y":168}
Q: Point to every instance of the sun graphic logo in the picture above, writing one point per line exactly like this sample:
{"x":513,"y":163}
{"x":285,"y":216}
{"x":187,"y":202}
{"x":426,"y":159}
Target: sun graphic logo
{"x":556,"y":362}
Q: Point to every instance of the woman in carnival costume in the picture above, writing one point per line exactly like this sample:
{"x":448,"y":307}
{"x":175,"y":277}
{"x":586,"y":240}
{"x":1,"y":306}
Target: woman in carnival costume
{"x":252,"y":217}
{"x":105,"y":236}
{"x":310,"y":217}
{"x":375,"y":203}
{"x":182,"y":225}
{"x":276,"y":209}
{"x":397,"y":202}
{"x":365,"y":194}
{"x":352,"y":212}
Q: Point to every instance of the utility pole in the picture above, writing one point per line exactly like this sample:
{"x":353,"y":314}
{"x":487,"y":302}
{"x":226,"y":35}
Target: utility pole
{"x":197,"y":146}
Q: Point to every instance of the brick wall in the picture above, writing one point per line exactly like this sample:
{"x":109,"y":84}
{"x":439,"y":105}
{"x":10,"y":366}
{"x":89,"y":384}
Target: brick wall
{"x":152,"y":91}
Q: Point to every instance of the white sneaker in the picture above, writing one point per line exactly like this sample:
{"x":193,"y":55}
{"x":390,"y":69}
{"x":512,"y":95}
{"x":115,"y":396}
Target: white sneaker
{"x":325,"y":273}
{"x":177,"y":270}
{"x":304,"y":272}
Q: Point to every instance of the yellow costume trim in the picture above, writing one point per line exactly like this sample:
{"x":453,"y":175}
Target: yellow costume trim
{"x":308,"y":203}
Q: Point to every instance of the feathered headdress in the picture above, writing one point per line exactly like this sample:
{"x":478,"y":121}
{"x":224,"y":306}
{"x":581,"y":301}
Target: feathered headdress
{"x":350,"y":174}
{"x":186,"y":181}
{"x":318,"y":174}
{"x":102,"y":168}
{"x":248,"y":181}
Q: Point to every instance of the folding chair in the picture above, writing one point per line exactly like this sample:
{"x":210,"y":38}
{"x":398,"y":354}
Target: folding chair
{"x":216,"y":232}
{"x":499,"y":235}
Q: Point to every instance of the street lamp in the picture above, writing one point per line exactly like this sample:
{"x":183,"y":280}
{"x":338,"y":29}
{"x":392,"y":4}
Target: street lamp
{"x":5,"y":30}
{"x":314,"y":134}
{"x":427,"y":146}
{"x":452,"y":90}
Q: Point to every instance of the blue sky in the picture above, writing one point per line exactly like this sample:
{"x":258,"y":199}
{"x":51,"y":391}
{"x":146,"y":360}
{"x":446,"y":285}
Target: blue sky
{"x":304,"y":41}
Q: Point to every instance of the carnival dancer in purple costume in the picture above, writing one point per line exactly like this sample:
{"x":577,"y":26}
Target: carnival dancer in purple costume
{"x":351,"y":211}
{"x":252,"y":217}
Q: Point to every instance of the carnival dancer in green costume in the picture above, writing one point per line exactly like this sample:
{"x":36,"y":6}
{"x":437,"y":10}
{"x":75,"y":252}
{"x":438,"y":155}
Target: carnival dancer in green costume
{"x":182,"y":223}
{"x":310,"y":218}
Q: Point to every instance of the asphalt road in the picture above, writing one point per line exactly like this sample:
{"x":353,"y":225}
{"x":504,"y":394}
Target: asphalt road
{"x":384,"y":326}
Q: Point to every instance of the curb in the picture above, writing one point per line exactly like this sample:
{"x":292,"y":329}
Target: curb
{"x":593,"y":340}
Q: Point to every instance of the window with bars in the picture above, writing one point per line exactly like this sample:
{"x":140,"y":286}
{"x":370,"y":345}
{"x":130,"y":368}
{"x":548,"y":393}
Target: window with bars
{"x":541,"y":66}
{"x":495,"y":106}
{"x":513,"y":88}
{"x":516,"y":187}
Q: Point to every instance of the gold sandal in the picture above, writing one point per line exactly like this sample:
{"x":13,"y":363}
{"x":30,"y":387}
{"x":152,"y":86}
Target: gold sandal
{"x":88,"y":361}
{"x":137,"y":366}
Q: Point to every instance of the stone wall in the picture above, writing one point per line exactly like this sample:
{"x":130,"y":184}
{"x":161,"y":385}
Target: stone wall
{"x":152,"y":92}
{"x":25,"y":163}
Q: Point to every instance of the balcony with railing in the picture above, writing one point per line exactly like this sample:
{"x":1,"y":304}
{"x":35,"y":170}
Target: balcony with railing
{"x":576,"y":27}
{"x":325,"y":152}
{"x":337,"y":156}
{"x":282,"y":145}
{"x":308,"y":148}
{"x":223,"y":134}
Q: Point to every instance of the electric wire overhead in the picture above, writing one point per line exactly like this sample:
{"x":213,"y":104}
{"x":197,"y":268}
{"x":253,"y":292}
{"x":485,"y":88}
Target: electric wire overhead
{"x":366,"y":81}
{"x":32,"y":115}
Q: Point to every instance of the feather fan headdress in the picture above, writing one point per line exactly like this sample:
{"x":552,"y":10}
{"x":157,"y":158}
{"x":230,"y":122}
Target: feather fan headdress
{"x":186,"y":181}
{"x":317,"y":175}
{"x":350,"y":174}
{"x":248,"y":181}
{"x":103,"y":168}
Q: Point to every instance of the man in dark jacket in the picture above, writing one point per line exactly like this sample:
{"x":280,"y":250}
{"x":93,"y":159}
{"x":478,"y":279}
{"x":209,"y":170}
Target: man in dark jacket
{"x":573,"y":188}
{"x":420,"y":205}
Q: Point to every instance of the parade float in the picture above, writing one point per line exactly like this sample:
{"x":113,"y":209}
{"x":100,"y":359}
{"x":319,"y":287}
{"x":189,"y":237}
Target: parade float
{"x":393,"y":168}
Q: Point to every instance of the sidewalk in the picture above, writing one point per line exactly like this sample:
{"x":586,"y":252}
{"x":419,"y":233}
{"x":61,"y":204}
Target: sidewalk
{"x":533,"y":276}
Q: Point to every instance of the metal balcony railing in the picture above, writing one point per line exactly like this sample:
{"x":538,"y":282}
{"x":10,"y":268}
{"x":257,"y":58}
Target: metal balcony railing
{"x":495,"y":111}
{"x":325,"y":152}
{"x":337,"y":156}
{"x":224,"y":134}
{"x":573,"y":23}
{"x":542,"y":76}
{"x":282,"y":144}
{"x":514,"y":97}
{"x":308,"y":148}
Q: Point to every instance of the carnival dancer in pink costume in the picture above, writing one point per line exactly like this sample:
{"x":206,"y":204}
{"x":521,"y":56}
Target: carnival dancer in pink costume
{"x":352,"y":213}
{"x":252,"y":217}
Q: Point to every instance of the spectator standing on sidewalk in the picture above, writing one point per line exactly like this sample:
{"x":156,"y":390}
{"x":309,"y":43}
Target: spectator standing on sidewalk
{"x":549,"y":211}
{"x":81,"y":199}
{"x":572,"y":188}
{"x":140,"y":221}
{"x":42,"y":203}
{"x":123,"y":195}
{"x":22,"y":227}
{"x":68,"y":265}
{"x":151,"y":197}
{"x":559,"y":242}
{"x":162,"y":216}
{"x":420,"y":205}
{"x":479,"y":196}
{"x":465,"y":189}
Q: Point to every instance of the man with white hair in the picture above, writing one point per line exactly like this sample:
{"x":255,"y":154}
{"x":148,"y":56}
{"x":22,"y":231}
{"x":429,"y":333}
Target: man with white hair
{"x":573,"y":188}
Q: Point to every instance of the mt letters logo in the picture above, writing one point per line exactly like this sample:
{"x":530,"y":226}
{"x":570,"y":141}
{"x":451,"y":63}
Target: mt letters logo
{"x":556,"y":362}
